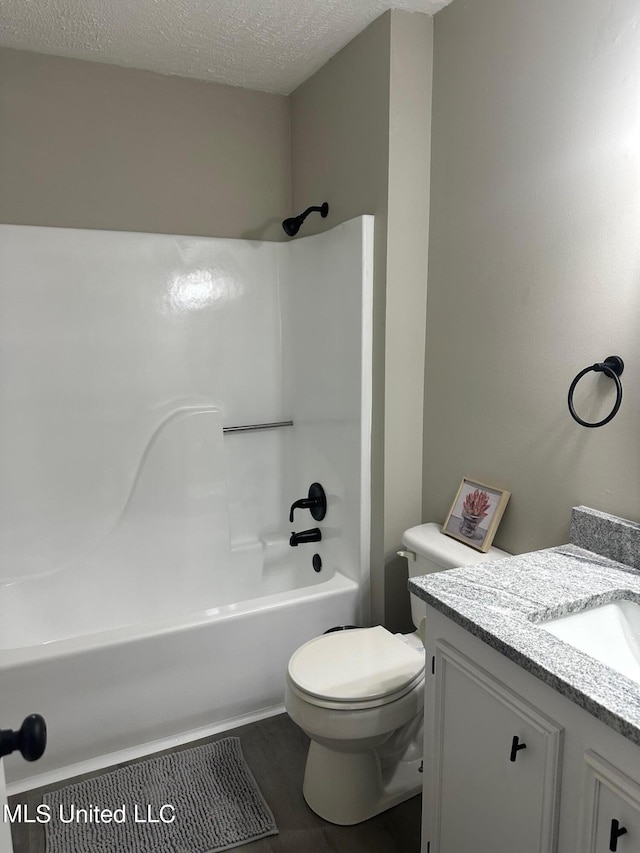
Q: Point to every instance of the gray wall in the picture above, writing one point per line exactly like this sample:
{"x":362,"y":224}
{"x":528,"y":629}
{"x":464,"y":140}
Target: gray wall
{"x":534,"y":264}
{"x":360,"y":138}
{"x":406,"y":295}
{"x":89,"y":145}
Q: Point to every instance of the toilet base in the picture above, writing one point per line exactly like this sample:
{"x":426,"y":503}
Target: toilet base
{"x":347,"y":787}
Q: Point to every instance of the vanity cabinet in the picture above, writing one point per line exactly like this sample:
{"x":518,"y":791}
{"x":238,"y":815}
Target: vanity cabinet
{"x":512,"y":765}
{"x":496,"y":760}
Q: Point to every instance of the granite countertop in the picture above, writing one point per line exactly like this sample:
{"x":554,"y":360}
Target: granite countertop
{"x":502,"y":601}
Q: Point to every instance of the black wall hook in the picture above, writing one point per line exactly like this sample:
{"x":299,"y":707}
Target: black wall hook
{"x":612,"y":367}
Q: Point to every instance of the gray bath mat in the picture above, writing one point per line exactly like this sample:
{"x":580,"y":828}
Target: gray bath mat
{"x":198,"y":800}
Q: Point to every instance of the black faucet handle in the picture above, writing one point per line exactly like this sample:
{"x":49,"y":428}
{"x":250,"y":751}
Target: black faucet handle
{"x":303,"y":503}
{"x":316,"y":501}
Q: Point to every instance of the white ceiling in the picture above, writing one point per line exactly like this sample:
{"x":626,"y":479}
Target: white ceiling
{"x":270,"y":45}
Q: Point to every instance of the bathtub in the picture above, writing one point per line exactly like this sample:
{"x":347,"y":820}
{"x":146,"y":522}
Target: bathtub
{"x":122,"y":693}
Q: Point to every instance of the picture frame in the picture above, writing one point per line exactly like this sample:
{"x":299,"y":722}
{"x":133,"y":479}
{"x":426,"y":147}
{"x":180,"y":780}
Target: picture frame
{"x":476,"y":513}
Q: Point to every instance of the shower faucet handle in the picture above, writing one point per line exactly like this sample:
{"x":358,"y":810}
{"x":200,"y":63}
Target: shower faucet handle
{"x":316,"y":501}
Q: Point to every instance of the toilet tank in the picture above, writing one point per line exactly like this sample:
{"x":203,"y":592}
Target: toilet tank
{"x":429,"y":550}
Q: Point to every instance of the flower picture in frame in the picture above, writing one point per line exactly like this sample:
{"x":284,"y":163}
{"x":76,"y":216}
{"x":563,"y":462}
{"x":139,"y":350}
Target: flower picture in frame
{"x":476,"y":513}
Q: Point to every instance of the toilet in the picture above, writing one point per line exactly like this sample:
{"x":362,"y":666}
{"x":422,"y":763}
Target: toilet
{"x":358,"y":694}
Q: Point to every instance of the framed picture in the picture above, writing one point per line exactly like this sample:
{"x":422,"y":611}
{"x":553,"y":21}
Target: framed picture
{"x":476,"y":513}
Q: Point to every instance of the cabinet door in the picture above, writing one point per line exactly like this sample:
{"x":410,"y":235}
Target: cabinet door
{"x":610,"y":807}
{"x":496,"y":764}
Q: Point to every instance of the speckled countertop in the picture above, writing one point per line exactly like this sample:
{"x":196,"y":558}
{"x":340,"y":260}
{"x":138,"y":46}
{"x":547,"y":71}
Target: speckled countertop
{"x":501,"y":601}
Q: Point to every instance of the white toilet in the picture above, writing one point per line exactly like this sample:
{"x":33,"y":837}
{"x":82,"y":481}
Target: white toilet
{"x":359,"y":696}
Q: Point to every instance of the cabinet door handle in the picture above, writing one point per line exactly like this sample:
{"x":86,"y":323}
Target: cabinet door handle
{"x":516,"y":746}
{"x":616,"y":832}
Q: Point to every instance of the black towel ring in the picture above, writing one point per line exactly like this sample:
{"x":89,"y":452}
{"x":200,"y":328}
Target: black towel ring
{"x":612,"y":366}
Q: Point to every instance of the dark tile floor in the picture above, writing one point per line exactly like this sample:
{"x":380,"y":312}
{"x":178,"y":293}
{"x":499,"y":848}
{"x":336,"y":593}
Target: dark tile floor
{"x":275,"y":750}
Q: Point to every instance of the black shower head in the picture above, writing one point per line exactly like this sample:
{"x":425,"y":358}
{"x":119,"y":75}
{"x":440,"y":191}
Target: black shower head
{"x":292,"y":226}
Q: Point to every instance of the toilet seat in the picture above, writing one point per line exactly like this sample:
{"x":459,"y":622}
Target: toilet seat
{"x":359,"y":669}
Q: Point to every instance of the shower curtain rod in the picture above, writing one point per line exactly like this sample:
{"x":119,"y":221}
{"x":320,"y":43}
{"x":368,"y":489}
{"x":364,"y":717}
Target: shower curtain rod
{"x":250,"y":427}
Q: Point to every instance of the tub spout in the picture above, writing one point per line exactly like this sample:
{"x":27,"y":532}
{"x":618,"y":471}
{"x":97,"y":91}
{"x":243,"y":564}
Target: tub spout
{"x":313,"y":535}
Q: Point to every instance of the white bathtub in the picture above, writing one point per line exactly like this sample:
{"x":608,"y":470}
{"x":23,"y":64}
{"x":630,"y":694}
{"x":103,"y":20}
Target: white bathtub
{"x":161,"y":632}
{"x":122,"y":693}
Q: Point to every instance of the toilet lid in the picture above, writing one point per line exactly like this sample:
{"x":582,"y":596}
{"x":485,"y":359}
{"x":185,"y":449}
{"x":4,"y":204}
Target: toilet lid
{"x":355,"y":666}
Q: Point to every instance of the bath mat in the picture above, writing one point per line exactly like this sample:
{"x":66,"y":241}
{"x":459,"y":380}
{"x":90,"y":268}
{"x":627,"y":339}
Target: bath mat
{"x":198,"y":800}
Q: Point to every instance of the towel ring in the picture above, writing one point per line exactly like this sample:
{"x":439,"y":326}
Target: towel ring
{"x":612,"y":366}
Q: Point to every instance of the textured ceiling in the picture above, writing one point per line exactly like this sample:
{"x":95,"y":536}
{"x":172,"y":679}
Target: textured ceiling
{"x":270,"y":45}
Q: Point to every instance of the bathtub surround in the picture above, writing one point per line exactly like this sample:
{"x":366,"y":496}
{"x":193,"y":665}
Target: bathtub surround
{"x":138,"y":538}
{"x":327,"y":350}
{"x":126,"y":357}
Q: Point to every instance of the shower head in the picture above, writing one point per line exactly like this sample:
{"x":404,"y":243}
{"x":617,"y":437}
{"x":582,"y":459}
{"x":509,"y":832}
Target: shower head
{"x":292,"y":226}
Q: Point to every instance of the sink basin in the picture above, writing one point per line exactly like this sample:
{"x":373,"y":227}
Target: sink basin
{"x":609,"y":633}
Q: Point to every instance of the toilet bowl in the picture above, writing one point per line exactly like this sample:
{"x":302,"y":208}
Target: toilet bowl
{"x":359,"y":696}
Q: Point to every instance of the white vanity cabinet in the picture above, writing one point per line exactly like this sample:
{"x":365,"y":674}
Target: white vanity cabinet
{"x":573,"y":783}
{"x":496,"y":761}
